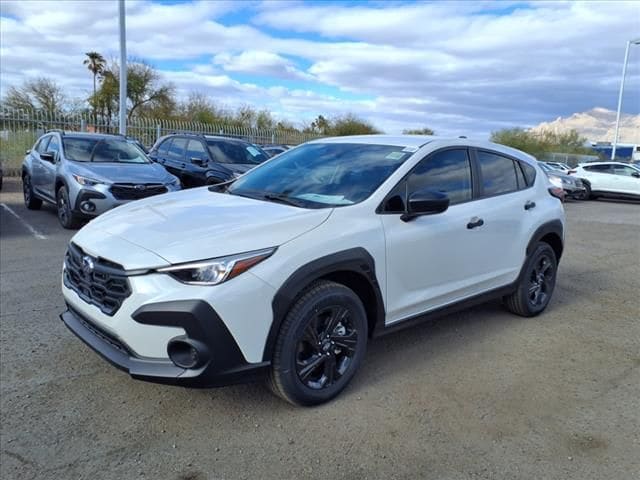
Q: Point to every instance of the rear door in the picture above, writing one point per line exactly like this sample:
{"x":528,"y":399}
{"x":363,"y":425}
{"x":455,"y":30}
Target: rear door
{"x":49,"y":169}
{"x":197,"y":161}
{"x":507,"y":209}
{"x":38,"y":172}
{"x":625,"y":180}
{"x":175,"y":158}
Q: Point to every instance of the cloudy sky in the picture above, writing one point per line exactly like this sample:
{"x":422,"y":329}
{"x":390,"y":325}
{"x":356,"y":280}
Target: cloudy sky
{"x":457,"y":67}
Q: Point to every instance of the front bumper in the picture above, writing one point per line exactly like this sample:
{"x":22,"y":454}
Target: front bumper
{"x":225,"y":364}
{"x":102,"y":199}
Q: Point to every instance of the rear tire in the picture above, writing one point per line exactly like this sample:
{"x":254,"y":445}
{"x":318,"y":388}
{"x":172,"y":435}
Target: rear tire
{"x":320,"y":346}
{"x":67,"y":218}
{"x":30,"y":200}
{"x":586,"y":195}
{"x":536,"y":284}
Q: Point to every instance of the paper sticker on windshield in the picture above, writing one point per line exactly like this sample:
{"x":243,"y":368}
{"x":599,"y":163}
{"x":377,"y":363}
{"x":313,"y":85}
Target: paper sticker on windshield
{"x":410,"y":149}
{"x":394,"y":156}
{"x":253,"y":151}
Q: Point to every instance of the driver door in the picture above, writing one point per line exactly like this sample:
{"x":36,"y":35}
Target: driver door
{"x":197,"y":162}
{"x":49,"y":168}
{"x":431,"y":260}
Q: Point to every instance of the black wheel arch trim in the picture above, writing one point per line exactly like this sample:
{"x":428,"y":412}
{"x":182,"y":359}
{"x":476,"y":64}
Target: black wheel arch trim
{"x":553,"y":227}
{"x":356,"y":261}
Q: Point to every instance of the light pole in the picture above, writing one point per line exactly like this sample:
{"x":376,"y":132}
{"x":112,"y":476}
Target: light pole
{"x":624,"y":74}
{"x":122,"y":126}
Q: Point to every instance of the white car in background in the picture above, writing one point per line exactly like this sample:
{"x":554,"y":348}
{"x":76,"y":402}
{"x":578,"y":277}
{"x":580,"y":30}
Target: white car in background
{"x":609,"y":179}
{"x":562,"y":167}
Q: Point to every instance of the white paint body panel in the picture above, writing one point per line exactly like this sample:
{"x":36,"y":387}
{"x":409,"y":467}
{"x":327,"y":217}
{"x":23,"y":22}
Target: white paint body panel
{"x":420,"y":265}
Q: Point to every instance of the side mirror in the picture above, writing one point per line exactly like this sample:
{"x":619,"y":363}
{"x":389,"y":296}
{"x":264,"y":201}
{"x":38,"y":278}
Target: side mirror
{"x":425,"y":202}
{"x":636,"y":174}
{"x":27,"y":152}
{"x":201,"y":162}
{"x":48,"y":157}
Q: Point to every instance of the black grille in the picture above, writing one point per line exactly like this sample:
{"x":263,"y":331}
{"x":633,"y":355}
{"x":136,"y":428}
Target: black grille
{"x":133,"y":191}
{"x":105,"y":285}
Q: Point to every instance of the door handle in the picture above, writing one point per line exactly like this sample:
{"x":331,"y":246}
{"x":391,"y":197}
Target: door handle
{"x":475,"y":222}
{"x":529,"y":205}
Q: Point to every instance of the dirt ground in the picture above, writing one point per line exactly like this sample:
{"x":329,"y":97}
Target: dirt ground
{"x":477,"y":395}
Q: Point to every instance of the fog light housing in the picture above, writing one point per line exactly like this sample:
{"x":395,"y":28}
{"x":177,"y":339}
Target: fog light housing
{"x":187,"y":353}
{"x":88,"y":207}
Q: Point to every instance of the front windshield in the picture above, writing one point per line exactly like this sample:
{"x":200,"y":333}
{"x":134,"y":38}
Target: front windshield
{"x":318,"y":175}
{"x":226,"y":151}
{"x":102,"y":150}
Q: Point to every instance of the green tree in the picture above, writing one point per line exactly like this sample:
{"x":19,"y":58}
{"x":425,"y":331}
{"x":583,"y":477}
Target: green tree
{"x":541,"y":143}
{"x":419,"y":131}
{"x":351,"y":125}
{"x":95,"y":62}
{"x":41,"y":94}
{"x":199,"y":108}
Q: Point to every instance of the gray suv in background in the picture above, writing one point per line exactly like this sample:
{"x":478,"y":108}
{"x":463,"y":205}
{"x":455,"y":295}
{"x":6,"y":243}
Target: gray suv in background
{"x":86,"y":174}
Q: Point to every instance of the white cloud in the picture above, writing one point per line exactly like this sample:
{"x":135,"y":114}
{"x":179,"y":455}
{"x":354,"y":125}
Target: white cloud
{"x":458,"y":67}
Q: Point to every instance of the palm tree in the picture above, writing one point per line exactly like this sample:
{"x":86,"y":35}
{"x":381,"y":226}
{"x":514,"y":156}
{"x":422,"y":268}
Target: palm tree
{"x":95,"y":63}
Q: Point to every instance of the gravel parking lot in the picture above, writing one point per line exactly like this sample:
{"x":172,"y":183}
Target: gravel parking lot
{"x":479,"y":394}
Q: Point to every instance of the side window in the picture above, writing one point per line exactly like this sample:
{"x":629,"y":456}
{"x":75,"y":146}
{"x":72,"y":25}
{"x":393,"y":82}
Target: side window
{"x":447,"y":172}
{"x":196,"y":150}
{"x":177,"y":148}
{"x":599,"y":168}
{"x":522,"y":183}
{"x":498,"y":174}
{"x":41,"y":147}
{"x":623,"y":170}
{"x":163,"y":149}
{"x":54,"y":145}
{"x":529,"y":173}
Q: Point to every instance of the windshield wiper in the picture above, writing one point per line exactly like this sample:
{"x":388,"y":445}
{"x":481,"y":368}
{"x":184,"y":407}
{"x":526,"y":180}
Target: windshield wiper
{"x":279,"y":197}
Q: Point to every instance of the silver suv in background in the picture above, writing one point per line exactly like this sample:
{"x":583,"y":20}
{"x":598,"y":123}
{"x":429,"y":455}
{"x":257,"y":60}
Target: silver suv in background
{"x":86,"y":174}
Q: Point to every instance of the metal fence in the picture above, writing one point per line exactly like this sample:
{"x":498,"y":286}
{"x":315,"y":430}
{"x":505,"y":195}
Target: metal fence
{"x":20,"y":129}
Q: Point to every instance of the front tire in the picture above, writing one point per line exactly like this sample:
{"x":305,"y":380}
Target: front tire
{"x":320,"y":346}
{"x":586,"y":195}
{"x":30,"y":200}
{"x":67,"y":218}
{"x":536,"y":284}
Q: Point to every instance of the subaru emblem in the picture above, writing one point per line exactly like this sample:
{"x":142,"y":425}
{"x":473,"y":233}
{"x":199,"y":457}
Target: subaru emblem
{"x":87,"y":264}
{"x":140,"y":187}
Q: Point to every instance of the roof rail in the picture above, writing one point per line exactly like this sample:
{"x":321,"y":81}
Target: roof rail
{"x":58,"y":130}
{"x":197,"y":134}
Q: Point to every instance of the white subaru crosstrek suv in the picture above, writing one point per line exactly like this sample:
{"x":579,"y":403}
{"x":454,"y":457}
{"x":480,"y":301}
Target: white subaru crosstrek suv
{"x":289,"y":270}
{"x":609,"y":179}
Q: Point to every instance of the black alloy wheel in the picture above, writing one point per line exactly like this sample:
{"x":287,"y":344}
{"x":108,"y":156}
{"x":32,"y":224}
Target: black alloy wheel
{"x":327,"y":347}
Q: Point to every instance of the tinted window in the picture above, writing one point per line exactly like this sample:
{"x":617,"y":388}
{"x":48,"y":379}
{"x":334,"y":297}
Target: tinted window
{"x":41,"y":147}
{"x":163,"y":149}
{"x":236,"y":152}
{"x":624,"y":170}
{"x":447,"y":172}
{"x":318,"y":175}
{"x":196,"y":150}
{"x":599,"y":168}
{"x":529,"y":173}
{"x":498,"y":174}
{"x":520,"y":177}
{"x":96,"y":149}
{"x":177,"y":148}
{"x":54,"y":145}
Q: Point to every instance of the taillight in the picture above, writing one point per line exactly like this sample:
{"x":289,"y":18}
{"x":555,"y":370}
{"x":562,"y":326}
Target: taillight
{"x":557,"y":192}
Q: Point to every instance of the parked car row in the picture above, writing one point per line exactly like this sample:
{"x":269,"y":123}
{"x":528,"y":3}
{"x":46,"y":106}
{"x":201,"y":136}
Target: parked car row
{"x":595,"y":179}
{"x":86,"y":174}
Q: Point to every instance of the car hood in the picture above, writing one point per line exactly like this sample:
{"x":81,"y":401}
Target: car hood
{"x":198,"y":224}
{"x":123,"y":172}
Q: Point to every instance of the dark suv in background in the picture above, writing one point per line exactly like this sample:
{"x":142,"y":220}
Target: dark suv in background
{"x":205,"y":159}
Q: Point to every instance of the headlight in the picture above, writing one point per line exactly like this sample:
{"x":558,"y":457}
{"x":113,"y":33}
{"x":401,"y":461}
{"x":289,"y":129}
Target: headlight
{"x":87,"y":182}
{"x":555,"y":181}
{"x":217,"y":270}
